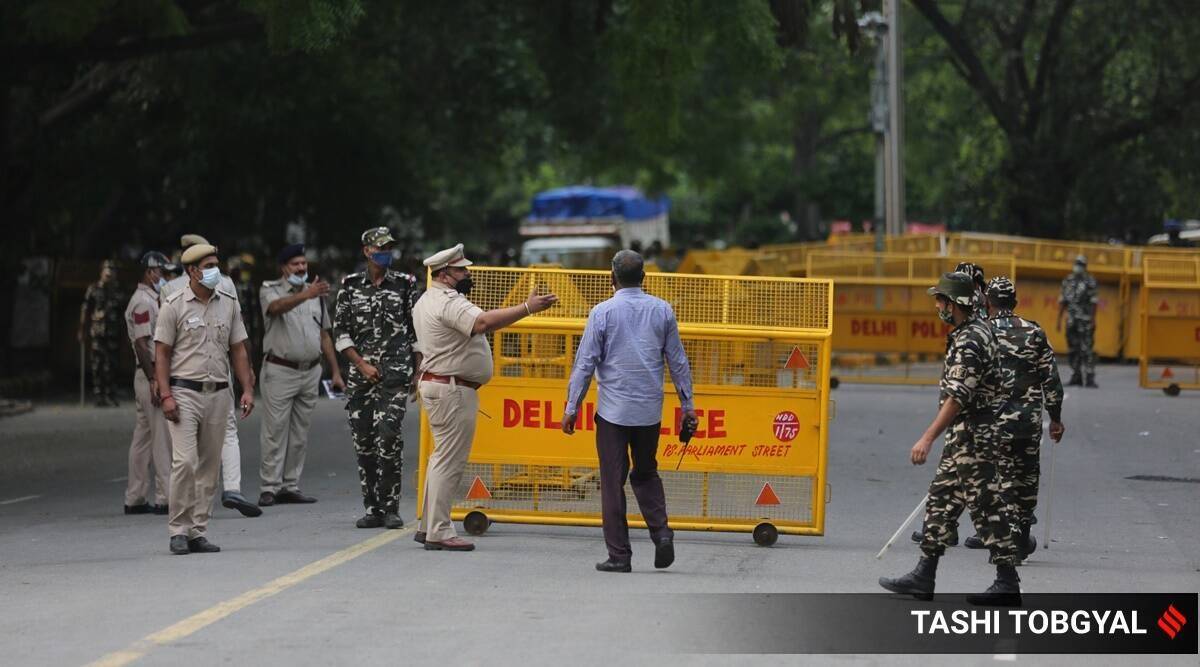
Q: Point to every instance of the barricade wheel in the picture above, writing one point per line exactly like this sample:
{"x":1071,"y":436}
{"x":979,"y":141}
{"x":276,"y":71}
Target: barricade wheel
{"x":833,"y":383}
{"x":765,"y":534}
{"x":476,"y":523}
{"x":1171,"y":389}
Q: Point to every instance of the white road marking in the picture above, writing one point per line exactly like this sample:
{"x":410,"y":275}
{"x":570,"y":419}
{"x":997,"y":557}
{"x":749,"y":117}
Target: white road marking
{"x":17,"y":500}
{"x":117,"y":479}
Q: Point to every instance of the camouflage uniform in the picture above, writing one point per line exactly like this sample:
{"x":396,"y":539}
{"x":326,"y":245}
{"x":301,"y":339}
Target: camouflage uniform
{"x":977,"y":279}
{"x":104,"y":301}
{"x":1030,"y":379}
{"x":966,"y":474}
{"x":1079,"y":295}
{"x":377,"y":322}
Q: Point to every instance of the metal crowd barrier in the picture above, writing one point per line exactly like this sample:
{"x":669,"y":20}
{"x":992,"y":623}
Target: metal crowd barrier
{"x":1169,"y":305}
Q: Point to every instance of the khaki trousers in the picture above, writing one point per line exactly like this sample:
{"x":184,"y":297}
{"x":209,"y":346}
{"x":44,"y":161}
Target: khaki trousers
{"x":289,"y":397}
{"x":231,"y":451}
{"x":151,"y":444}
{"x":196,"y":441}
{"x":451,"y":410}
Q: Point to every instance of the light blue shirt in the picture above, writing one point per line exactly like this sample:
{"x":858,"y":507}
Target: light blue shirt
{"x":625,"y":342}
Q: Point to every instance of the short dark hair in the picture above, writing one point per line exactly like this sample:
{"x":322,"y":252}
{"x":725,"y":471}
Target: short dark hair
{"x":629,"y":268}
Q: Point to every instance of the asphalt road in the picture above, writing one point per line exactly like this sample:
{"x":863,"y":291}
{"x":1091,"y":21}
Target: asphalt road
{"x":81,"y":581}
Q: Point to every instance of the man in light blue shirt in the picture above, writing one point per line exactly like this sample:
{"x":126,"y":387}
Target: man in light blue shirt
{"x":625,"y":343}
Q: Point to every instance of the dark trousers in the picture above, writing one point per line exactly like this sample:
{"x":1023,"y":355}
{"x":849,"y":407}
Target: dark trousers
{"x":615,"y":445}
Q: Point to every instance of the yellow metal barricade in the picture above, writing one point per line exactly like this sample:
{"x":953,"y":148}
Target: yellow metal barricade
{"x":759,"y":354}
{"x":1170,"y":324}
{"x":885,"y":328}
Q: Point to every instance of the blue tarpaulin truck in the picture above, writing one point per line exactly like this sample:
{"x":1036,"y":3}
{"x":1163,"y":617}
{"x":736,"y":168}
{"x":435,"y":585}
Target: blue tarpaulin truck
{"x":580,"y":227}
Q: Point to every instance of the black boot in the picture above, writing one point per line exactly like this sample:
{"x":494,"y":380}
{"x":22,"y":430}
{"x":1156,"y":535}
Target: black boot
{"x":1091,"y":382}
{"x":974,"y":542}
{"x":1026,"y":543}
{"x":1005,"y":591}
{"x":1075,"y":381}
{"x":918,"y":583}
{"x":918,"y":535}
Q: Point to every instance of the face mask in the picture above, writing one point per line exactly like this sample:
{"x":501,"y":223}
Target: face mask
{"x":297,"y":279}
{"x":210,"y":277}
{"x":1078,"y":270}
{"x":464,"y":286}
{"x":158,"y":284}
{"x":947,"y":315}
{"x":382,"y":259}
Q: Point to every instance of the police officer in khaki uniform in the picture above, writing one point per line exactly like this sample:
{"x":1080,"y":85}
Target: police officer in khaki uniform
{"x":456,"y":362}
{"x":151,"y":444}
{"x":297,"y":334}
{"x":231,"y":452}
{"x":199,"y":332}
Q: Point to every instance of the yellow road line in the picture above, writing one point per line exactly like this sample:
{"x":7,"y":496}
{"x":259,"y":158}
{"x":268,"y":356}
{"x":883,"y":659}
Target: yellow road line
{"x":203,"y":619}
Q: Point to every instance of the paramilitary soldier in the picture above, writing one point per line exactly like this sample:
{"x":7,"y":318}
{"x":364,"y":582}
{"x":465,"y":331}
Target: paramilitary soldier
{"x":151,"y":443}
{"x":199,"y":335}
{"x":373,"y":329}
{"x":1078,"y":302}
{"x":100,"y":320}
{"x":1030,"y":380}
{"x":970,"y":400}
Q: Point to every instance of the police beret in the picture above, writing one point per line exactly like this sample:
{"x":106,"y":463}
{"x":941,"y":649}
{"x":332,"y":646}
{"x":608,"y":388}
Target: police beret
{"x":198,"y":252}
{"x":448,"y":257}
{"x":189,"y":240}
{"x":290,"y":251}
{"x":377,"y":236}
{"x":155,"y":260}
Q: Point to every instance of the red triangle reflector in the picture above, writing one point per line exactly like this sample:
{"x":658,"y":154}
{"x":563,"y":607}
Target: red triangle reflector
{"x":1164,"y":306}
{"x":796,"y":360}
{"x":478,"y":490}
{"x":1167,"y":373}
{"x":767,"y":496}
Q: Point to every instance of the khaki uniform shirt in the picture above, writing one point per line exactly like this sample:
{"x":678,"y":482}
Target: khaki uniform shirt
{"x":296,"y":334}
{"x":200,"y":333}
{"x":443,"y":319}
{"x":141,"y":314}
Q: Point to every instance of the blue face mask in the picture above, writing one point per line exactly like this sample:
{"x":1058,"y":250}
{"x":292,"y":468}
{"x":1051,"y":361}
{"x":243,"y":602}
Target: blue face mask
{"x":382,"y":259}
{"x":158,"y":285}
{"x":298,"y":279}
{"x":210,"y":277}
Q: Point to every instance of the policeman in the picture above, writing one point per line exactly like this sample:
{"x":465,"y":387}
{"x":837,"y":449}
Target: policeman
{"x":199,"y":332}
{"x":151,"y":443}
{"x":970,"y":401}
{"x":1030,"y":382}
{"x":457,"y":360}
{"x":1078,"y":302}
{"x":231,"y":452}
{"x":100,"y":317}
{"x":297,"y":334}
{"x":241,"y":269}
{"x":374,"y":331}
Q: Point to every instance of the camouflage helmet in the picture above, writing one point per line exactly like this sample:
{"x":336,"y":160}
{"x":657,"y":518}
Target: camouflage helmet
{"x":1081,"y":260}
{"x":974,"y":271}
{"x":1002,"y":290}
{"x":957,"y":287}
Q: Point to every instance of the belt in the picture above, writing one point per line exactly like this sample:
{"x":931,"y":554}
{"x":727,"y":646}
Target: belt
{"x":204,"y":387}
{"x":449,"y":379}
{"x":295,"y":365}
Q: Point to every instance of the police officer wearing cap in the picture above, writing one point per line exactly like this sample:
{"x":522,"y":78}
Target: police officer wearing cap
{"x":296,"y":336}
{"x":970,"y":400}
{"x":151,"y":444}
{"x":231,"y":451}
{"x":99,"y":322}
{"x":456,"y":362}
{"x":373,"y":329}
{"x":199,"y":335}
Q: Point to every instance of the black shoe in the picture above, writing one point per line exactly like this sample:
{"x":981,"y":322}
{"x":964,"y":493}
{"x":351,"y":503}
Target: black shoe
{"x":369,"y":521}
{"x":143,"y":508}
{"x":392,"y":521}
{"x":235,"y":501}
{"x":664,"y":553}
{"x":179,"y":545}
{"x":1091,"y":382}
{"x":1026,"y":544}
{"x":293,"y":497}
{"x":266,"y":499}
{"x":201,"y":545}
{"x":419,"y":537}
{"x":1004,"y":592}
{"x":159,"y":509}
{"x":918,"y":583}
{"x":973,"y":542}
{"x":1075,"y":381}
{"x":613,"y":565}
